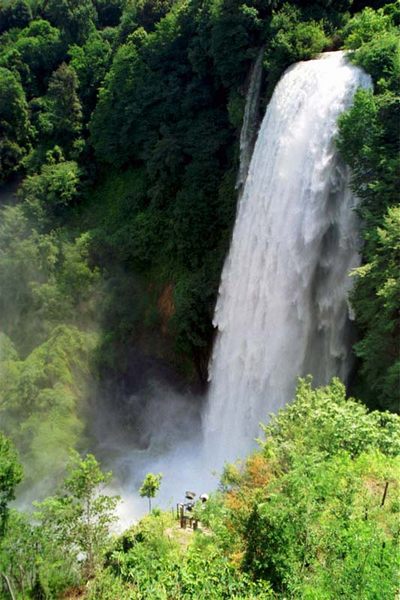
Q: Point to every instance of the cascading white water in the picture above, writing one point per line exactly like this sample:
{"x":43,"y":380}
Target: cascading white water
{"x":250,"y":119}
{"x":282,"y":310}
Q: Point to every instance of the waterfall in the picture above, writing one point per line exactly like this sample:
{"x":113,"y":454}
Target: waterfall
{"x":250,"y":119}
{"x":282,"y":310}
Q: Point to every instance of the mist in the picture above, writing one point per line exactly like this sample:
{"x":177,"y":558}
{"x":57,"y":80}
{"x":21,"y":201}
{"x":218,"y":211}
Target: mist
{"x":142,"y":418}
{"x":157,"y":429}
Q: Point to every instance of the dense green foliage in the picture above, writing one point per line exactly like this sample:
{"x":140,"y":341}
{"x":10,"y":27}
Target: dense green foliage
{"x":306,"y":513}
{"x":79,"y":517}
{"x":41,"y":401}
{"x":14,"y":122}
{"x":65,"y":540}
{"x":47,"y":343}
{"x":370,"y":142}
{"x":154,"y":561}
{"x":120,"y":122}
{"x":10,"y":476}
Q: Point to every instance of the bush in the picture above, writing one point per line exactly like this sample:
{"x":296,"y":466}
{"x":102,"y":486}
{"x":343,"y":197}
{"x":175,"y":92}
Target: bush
{"x":307,"y":513}
{"x":47,"y":194}
{"x":365,"y":27}
{"x":290,"y":39}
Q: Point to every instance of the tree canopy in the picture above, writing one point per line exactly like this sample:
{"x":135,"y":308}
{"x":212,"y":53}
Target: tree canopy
{"x":10,"y":477}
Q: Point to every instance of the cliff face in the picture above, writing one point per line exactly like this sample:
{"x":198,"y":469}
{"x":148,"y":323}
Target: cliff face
{"x":166,"y":306}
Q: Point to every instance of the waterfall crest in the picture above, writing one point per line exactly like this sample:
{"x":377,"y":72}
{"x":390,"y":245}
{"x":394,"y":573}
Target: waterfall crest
{"x":282,"y":310}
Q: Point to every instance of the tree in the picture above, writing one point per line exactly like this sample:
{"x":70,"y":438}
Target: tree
{"x":47,"y":193}
{"x":291,"y":38}
{"x":109,"y":12}
{"x":19,"y":553}
{"x":369,"y":136}
{"x":150,"y":486}
{"x":75,"y":18}
{"x":150,"y":12}
{"x":306,"y":512}
{"x":10,"y":477}
{"x":91,"y":63}
{"x":79,"y":517}
{"x":40,"y":48}
{"x":365,"y":26}
{"x":376,"y":301}
{"x":14,"y":123}
{"x":42,"y":556}
{"x":16,"y":14}
{"x":41,"y":401}
{"x":60,"y":121}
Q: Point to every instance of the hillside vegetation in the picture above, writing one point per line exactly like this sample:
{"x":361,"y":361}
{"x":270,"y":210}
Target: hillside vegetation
{"x":119,"y":128}
{"x":314,"y":513}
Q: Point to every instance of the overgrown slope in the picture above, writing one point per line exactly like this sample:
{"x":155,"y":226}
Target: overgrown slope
{"x":313,"y":514}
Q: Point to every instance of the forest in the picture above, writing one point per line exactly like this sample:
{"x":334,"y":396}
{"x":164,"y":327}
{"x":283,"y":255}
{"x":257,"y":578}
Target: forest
{"x":120,"y":130}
